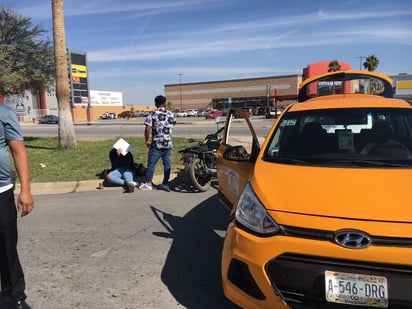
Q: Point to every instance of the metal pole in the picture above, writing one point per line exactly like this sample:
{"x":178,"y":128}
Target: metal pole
{"x":360,"y":62}
{"x":180,"y":86}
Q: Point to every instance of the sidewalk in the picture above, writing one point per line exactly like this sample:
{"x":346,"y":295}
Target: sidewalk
{"x":76,"y":186}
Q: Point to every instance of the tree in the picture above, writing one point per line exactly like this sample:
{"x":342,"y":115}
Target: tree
{"x":67,"y":137}
{"x":26,"y":60}
{"x":371,"y":63}
{"x":334,"y":66}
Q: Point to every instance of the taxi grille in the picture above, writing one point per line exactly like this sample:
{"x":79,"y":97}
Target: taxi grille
{"x":329,"y":236}
{"x":300,"y":280}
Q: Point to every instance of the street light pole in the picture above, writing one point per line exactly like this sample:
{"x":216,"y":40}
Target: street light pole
{"x":360,"y":61}
{"x":180,"y":89}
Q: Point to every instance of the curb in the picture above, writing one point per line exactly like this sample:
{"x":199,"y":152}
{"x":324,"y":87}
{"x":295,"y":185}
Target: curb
{"x":75,"y":186}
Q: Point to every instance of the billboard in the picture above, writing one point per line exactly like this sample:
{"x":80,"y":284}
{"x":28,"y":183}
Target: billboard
{"x":106,"y":98}
{"x":79,"y":86}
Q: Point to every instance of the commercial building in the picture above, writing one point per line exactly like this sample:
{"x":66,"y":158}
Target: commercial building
{"x":263,"y":91}
{"x":249,"y":92}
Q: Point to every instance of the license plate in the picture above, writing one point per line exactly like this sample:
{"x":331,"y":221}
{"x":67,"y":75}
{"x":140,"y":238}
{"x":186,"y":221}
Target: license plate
{"x":356,"y":289}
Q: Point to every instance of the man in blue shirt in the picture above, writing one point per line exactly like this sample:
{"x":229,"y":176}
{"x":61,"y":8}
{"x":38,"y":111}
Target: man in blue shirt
{"x":158,"y":136}
{"x":11,"y":272}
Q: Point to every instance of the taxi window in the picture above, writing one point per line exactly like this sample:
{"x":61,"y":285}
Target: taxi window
{"x":343,"y":134}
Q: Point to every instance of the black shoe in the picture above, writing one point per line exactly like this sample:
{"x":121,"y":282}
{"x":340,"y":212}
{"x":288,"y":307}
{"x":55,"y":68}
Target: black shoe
{"x":163,"y":187}
{"x":20,"y":304}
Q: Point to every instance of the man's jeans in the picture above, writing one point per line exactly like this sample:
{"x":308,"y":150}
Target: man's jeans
{"x":154,"y":156}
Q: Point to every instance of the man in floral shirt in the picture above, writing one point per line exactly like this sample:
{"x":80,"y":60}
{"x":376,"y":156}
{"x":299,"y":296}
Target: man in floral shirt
{"x":158,"y":136}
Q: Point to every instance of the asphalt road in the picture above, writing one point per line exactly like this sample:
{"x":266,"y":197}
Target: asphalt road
{"x":108,"y":249}
{"x":185,"y":127}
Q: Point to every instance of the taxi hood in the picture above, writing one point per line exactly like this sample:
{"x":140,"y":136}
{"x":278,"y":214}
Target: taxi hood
{"x":380,"y":194}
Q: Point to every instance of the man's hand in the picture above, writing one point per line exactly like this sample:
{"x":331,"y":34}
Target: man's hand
{"x":25,"y":203}
{"x":148,"y":143}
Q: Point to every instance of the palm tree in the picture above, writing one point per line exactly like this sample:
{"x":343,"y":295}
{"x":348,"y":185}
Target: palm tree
{"x":371,"y":63}
{"x":67,"y":137}
{"x":334,"y":66}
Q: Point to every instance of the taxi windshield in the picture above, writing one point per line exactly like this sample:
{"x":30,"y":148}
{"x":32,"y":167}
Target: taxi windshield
{"x":345,"y":135}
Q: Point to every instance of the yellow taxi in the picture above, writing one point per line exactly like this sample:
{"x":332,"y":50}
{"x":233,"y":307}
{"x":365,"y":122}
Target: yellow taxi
{"x":321,"y":212}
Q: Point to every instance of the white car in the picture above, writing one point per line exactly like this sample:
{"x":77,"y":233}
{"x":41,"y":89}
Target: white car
{"x":191,"y":112}
{"x":273,"y":112}
{"x":181,"y":114}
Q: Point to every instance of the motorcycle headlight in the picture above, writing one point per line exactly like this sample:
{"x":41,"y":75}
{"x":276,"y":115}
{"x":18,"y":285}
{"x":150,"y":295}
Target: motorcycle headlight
{"x":251,"y":214}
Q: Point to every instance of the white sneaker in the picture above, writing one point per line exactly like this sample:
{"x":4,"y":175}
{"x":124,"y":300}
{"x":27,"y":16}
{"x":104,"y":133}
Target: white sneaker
{"x":145,"y":186}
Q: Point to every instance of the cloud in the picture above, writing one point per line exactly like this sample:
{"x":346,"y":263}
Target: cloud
{"x":192,"y":71}
{"x":196,"y":46}
{"x":81,"y":8}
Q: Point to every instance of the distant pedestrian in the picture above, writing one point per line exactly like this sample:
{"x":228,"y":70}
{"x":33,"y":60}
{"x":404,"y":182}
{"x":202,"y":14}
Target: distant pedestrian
{"x":158,"y":138}
{"x":11,"y":272}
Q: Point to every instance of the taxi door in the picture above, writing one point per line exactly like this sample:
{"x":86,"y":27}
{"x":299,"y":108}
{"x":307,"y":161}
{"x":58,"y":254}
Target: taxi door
{"x":236,"y":157}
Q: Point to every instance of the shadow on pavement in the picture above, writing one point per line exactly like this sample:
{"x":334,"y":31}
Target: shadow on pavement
{"x":183,"y":184}
{"x":192,"y":268}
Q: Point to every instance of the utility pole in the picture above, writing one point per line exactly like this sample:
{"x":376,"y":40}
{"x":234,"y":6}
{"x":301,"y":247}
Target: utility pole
{"x":360,"y":61}
{"x":180,"y":89}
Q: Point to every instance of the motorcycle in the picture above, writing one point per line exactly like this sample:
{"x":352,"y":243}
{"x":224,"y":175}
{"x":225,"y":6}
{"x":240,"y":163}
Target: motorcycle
{"x":200,"y":161}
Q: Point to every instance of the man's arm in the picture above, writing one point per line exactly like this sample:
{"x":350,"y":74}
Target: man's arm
{"x":147,"y":132}
{"x":25,"y":202}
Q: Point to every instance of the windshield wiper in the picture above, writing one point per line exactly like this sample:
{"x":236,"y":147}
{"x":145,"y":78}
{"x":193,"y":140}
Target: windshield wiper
{"x":332,"y":162}
{"x":289,"y":160}
{"x":369,"y":163}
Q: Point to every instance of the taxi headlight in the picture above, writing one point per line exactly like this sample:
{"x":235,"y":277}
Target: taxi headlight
{"x":251,"y":214}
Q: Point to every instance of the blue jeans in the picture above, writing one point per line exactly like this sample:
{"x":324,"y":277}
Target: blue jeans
{"x":120,"y":176}
{"x":154,"y":156}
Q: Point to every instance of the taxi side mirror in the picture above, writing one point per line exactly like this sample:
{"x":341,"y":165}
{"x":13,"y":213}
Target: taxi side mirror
{"x":236,"y":153}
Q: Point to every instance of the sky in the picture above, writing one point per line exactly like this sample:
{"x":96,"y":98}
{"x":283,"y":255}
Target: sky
{"x":138,"y":46}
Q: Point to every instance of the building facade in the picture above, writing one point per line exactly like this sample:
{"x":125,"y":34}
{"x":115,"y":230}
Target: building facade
{"x":250,"y":92}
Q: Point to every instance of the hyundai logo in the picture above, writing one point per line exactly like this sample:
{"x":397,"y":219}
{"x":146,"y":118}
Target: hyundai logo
{"x":352,"y":239}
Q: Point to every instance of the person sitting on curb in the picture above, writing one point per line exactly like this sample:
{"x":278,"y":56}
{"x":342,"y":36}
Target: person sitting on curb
{"x":122,"y":172}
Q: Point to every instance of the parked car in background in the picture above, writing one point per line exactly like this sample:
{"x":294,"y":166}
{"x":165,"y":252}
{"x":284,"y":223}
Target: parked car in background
{"x":181,"y":114}
{"x":260,"y":110}
{"x":139,"y":113}
{"x":191,"y":112}
{"x":321,"y":213}
{"x":126,"y":114}
{"x":213,"y":114}
{"x":203,"y":112}
{"x":272,"y":112}
{"x":49,"y":119}
{"x":108,"y":115}
{"x":245,"y":113}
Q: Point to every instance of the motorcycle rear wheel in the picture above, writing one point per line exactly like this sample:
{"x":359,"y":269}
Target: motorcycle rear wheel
{"x":198,"y":175}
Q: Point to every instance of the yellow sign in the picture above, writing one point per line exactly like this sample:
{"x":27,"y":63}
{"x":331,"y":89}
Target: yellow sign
{"x":403,"y":84}
{"x":79,"y":70}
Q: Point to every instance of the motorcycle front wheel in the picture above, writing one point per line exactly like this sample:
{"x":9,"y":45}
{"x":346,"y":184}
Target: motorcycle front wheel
{"x":198,"y":175}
